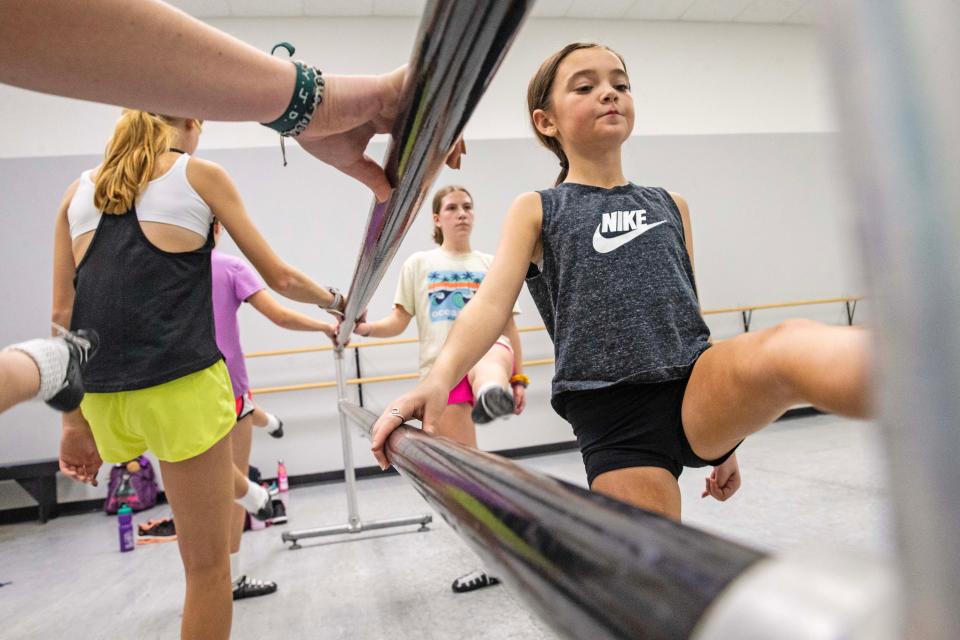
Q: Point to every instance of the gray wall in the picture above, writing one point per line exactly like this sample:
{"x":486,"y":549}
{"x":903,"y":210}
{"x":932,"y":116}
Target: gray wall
{"x":769,"y":218}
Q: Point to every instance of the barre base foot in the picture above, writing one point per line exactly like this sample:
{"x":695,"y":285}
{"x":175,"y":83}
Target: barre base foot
{"x":356,"y":527}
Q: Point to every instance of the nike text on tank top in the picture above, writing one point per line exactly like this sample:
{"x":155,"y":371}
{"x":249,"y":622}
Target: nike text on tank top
{"x":169,"y":198}
{"x":616,"y":288}
{"x":151,"y":308}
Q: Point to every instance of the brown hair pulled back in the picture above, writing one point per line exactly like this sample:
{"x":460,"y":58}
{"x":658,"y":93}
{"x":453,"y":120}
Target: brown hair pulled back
{"x":538,"y":96}
{"x":438,"y":197}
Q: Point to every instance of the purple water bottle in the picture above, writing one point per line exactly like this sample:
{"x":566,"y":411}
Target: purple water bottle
{"x":125,"y":521}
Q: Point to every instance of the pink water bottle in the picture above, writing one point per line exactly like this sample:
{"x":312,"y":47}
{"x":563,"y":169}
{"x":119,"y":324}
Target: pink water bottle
{"x":282,"y":482}
{"x":125,"y":522}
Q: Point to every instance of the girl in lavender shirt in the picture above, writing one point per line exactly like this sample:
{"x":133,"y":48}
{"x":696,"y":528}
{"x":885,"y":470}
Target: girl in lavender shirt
{"x":235,"y":282}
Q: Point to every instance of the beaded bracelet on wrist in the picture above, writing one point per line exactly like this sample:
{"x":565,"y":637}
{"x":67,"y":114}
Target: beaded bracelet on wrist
{"x":520,"y":379}
{"x":307,"y":95}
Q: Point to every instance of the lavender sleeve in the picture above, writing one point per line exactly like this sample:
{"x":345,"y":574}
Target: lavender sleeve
{"x":246,"y":281}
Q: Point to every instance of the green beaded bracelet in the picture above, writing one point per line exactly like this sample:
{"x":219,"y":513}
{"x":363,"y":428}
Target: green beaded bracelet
{"x":307,"y":95}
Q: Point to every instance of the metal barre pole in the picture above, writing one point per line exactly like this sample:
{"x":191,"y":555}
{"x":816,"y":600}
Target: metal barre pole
{"x":459,"y":47}
{"x":895,"y":72}
{"x":354,"y":523}
{"x":592,"y":567}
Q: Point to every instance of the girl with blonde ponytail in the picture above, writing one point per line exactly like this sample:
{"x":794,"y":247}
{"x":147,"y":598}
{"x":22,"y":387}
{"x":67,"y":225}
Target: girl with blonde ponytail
{"x":132,"y":262}
{"x":138,"y":140}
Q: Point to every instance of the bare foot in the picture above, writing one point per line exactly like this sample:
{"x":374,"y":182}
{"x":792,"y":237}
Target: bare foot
{"x":79,"y":458}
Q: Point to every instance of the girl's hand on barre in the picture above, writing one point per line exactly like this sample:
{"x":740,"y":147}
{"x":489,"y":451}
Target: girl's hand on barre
{"x":425,"y":403}
{"x":362,"y":320}
{"x":363,"y":329}
{"x":330,"y":331}
{"x":459,"y":149}
{"x":519,"y":398}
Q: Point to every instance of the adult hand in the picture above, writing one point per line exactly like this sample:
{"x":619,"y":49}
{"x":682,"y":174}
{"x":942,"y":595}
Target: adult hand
{"x":425,"y":403}
{"x":354,"y":109}
{"x":519,"y":398}
{"x":79,"y":458}
{"x":724,"y":480}
{"x":459,"y":149}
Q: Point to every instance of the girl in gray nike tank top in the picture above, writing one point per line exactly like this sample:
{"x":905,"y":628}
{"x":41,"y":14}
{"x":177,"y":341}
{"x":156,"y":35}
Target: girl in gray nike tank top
{"x":620,"y":250}
{"x":610,"y":267}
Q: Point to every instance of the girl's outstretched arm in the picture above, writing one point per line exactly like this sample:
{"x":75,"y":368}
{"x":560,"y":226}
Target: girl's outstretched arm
{"x":477,"y":327}
{"x":393,"y":324}
{"x":214,"y":185}
{"x":285,"y":317}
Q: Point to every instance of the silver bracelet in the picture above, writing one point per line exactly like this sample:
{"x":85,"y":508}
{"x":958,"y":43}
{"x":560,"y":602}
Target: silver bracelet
{"x":337,"y":300}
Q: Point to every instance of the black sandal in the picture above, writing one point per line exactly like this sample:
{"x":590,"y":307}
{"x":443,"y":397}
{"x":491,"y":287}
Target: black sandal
{"x":473,"y":581}
{"x":244,"y":588}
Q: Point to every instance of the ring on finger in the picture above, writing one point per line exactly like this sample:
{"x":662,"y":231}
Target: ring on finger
{"x":396,"y":414}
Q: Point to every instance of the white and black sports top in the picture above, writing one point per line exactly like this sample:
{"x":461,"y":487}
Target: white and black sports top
{"x":168,"y":198}
{"x":152,"y":309}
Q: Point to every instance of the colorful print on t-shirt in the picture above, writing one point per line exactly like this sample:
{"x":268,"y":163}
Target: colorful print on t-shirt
{"x":450,"y":291}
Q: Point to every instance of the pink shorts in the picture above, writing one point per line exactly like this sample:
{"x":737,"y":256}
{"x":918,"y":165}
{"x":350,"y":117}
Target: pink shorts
{"x":463,"y":392}
{"x":244,"y":404}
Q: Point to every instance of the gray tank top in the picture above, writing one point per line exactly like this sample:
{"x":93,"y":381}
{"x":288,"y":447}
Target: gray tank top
{"x":616,"y":288}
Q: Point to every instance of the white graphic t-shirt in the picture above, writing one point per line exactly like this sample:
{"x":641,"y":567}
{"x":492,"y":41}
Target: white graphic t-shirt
{"x":434,"y":286}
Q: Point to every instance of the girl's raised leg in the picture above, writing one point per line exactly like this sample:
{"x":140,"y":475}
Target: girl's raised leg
{"x":741,"y":385}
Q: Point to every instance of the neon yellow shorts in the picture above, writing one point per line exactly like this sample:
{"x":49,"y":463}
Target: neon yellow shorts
{"x":175,"y":420}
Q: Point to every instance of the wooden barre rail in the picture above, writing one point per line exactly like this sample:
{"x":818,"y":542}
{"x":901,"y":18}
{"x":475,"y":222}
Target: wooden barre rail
{"x":527,"y":363}
{"x":396,"y":341}
{"x":782,"y":305}
{"x":368,"y":380}
{"x":359,"y":345}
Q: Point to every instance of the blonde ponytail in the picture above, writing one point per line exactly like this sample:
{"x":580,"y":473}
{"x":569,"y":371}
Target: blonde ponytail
{"x":138,"y":139}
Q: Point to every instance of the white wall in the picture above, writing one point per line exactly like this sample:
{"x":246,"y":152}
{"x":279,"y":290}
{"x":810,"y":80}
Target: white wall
{"x":688,"y":78}
{"x":729,"y":115}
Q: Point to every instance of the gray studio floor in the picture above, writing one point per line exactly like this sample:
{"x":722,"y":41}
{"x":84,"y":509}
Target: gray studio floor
{"x":813,"y":482}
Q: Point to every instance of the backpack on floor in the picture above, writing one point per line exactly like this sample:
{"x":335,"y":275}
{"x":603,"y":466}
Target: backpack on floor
{"x":132,"y":486}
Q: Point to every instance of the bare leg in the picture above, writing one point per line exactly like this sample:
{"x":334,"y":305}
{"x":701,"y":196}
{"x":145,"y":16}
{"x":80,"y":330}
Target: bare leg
{"x":494,"y":367}
{"x":650,"y":488}
{"x":455,"y":423}
{"x":241,"y":438}
{"x":741,"y":385}
{"x":490,"y":381}
{"x":240,"y":484}
{"x":199,"y":491}
{"x":272,"y":423}
{"x":19,"y":379}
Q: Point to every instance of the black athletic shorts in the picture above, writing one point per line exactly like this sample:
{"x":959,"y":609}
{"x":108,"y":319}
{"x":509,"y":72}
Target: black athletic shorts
{"x":632,"y":425}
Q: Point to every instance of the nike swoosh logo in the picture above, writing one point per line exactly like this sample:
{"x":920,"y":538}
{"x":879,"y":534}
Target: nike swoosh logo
{"x":606,"y":245}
